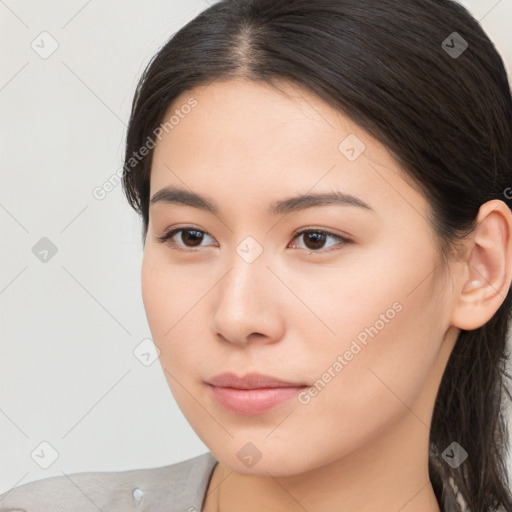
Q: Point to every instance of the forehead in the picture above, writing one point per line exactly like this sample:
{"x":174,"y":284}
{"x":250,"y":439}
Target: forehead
{"x":250,"y":138}
{"x":253,"y":114}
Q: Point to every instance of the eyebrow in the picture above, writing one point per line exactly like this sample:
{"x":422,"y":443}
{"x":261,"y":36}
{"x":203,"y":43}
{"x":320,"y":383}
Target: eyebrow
{"x":174,"y":195}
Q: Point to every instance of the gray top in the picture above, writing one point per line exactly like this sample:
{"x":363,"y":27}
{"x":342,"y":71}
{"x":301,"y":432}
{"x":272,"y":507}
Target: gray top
{"x":179,"y":487}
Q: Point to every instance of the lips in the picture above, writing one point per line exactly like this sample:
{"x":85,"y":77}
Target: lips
{"x":251,"y":381}
{"x":251,"y":394}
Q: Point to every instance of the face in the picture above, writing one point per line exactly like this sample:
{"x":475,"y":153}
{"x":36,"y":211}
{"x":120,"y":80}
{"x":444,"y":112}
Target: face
{"x":341,"y":298}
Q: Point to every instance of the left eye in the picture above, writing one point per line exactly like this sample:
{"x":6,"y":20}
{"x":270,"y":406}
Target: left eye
{"x":315,"y":238}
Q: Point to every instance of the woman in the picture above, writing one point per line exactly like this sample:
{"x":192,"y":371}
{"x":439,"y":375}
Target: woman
{"x":325,"y":189}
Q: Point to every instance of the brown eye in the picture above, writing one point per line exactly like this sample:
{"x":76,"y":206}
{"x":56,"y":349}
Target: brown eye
{"x":190,"y":238}
{"x":314,"y":239}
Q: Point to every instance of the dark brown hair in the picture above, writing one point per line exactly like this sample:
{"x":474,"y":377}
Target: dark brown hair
{"x":423,"y":78}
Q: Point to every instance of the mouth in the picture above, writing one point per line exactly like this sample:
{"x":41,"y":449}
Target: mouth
{"x":252,"y":394}
{"x":252,"y":380}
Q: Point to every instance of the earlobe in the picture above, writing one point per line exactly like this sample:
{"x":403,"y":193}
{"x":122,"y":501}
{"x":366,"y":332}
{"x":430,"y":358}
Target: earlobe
{"x":488,"y":267}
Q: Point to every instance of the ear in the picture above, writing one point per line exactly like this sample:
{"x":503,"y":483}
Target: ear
{"x":487,"y":273}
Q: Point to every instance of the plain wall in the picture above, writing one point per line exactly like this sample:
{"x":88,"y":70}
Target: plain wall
{"x":69,"y":326}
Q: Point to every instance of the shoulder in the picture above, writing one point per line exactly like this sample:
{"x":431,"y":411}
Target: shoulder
{"x":179,"y":486}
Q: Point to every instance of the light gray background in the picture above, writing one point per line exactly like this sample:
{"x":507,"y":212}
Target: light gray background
{"x":68,"y":327}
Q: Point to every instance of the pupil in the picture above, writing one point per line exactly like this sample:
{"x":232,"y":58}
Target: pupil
{"x":318,"y":239}
{"x":197,"y":237}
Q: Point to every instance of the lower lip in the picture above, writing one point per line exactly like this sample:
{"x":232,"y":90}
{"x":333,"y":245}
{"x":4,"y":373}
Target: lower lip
{"x":252,"y":401}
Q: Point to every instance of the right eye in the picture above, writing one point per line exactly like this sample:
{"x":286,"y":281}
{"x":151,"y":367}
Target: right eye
{"x":189,"y":235}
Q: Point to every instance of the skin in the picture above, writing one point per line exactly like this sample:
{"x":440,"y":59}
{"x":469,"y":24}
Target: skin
{"x":360,"y":444}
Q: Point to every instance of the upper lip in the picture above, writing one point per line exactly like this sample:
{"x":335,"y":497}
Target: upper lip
{"x":250,"y":381}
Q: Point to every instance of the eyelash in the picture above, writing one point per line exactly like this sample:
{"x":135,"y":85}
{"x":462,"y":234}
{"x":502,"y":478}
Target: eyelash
{"x":170,"y":234}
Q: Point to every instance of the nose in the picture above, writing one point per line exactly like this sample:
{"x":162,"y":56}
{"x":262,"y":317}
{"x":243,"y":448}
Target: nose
{"x":248,"y":306}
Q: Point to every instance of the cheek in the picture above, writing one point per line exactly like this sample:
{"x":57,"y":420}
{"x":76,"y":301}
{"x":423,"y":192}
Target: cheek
{"x":152,"y":292}
{"x":382,"y":358}
{"x":386,"y":323}
{"x":163,"y":296}
{"x":167,"y":293}
{"x":173,"y":309}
